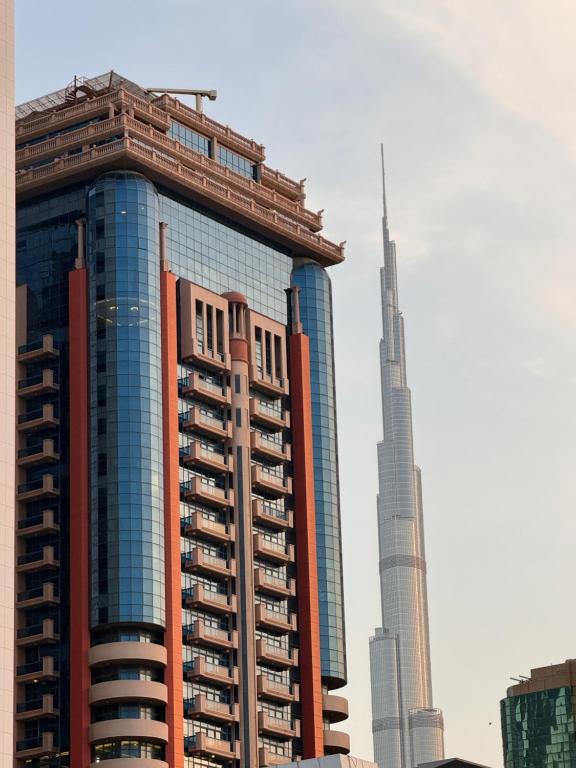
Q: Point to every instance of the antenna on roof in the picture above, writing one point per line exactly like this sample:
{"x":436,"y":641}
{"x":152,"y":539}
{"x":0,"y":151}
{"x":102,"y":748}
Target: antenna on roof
{"x":187,"y":92}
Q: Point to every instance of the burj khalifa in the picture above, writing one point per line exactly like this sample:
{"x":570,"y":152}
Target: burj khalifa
{"x":407,"y":730}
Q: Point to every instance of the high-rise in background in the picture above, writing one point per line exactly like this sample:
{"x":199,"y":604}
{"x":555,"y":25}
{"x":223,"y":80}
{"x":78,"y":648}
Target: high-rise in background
{"x":407,"y":730}
{"x":538,"y":719}
{"x":179,"y":576}
{"x":7,"y":376}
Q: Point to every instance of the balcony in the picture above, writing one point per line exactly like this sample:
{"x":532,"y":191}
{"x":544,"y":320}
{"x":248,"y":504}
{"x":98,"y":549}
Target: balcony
{"x":35,"y":561}
{"x":45,"y":487}
{"x":268,"y":482}
{"x":202,"y":745}
{"x":270,"y":449}
{"x":194,"y":385}
{"x":275,"y":551}
{"x":267,"y":382}
{"x":275,"y":726}
{"x":42,"y":707}
{"x":40,"y":418}
{"x":271,"y":513}
{"x":198,"y":525}
{"x":193,"y":419}
{"x":37,"y":746}
{"x":201,"y":706}
{"x":336,"y":743}
{"x":40,"y":453}
{"x":44,"y":595}
{"x":199,"y":597}
{"x":200,"y":669}
{"x":197,"y":455}
{"x":278,"y":586}
{"x":210,"y":358}
{"x":271,"y":654}
{"x":196,"y":489}
{"x":334,"y":708}
{"x":272,"y":689}
{"x":44,"y":383}
{"x":44,"y":522}
{"x":37,"y":671}
{"x":37,"y":634}
{"x":275,"y":620}
{"x":200,"y":633}
{"x":196,"y":560}
{"x":267,"y":757}
{"x":43,"y":349}
{"x":274,"y":417}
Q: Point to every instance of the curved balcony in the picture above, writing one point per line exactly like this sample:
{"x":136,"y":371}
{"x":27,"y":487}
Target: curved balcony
{"x":44,"y":383}
{"x":274,"y":620}
{"x":200,"y":633}
{"x":200,"y":669}
{"x":264,"y":413}
{"x":196,"y":455}
{"x":128,"y":728}
{"x":269,"y":449}
{"x":334,"y":708}
{"x":43,"y":349}
{"x":194,"y":385}
{"x":272,"y":513}
{"x":217,"y":602}
{"x":196,"y":560}
{"x":275,"y":551}
{"x":126,"y":690}
{"x":39,"y":418}
{"x":201,"y":706}
{"x":199,"y":525}
{"x":128,"y":651}
{"x":336,"y":743}
{"x":279,"y":586}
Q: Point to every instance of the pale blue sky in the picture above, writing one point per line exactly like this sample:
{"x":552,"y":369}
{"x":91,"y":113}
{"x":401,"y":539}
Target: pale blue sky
{"x":475,"y":105}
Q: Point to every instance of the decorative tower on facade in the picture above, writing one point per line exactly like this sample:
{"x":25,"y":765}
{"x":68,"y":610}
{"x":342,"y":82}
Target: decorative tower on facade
{"x":407,"y":730}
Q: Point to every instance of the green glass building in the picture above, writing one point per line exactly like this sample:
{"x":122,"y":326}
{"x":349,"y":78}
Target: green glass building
{"x":538,"y":719}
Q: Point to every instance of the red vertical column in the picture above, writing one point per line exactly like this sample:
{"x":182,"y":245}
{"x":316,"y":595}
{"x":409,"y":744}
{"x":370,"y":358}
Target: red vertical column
{"x":306,"y":566}
{"x":175,"y":707}
{"x":79,"y":519}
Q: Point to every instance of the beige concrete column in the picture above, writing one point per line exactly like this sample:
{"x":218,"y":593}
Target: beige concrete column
{"x":243,"y":521}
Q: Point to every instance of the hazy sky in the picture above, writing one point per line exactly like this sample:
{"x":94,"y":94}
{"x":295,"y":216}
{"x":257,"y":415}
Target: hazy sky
{"x":474,"y":101}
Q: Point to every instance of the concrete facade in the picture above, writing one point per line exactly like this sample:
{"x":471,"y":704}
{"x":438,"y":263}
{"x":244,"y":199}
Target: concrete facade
{"x":7,"y":376}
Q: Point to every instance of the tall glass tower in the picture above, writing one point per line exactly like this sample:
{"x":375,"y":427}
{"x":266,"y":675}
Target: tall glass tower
{"x":407,"y":730}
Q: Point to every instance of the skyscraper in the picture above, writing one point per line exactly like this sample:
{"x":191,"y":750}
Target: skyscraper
{"x":7,"y":379}
{"x":407,"y":730}
{"x":179,"y":597}
{"x":538,"y":718}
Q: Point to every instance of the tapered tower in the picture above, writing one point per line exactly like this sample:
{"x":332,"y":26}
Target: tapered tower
{"x":407,"y":730}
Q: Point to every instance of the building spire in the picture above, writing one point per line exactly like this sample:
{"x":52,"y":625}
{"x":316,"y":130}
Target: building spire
{"x":384,"y":206}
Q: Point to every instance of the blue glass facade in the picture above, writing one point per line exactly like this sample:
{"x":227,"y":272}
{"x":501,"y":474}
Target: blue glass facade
{"x":316,"y":315}
{"x":127,"y":521}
